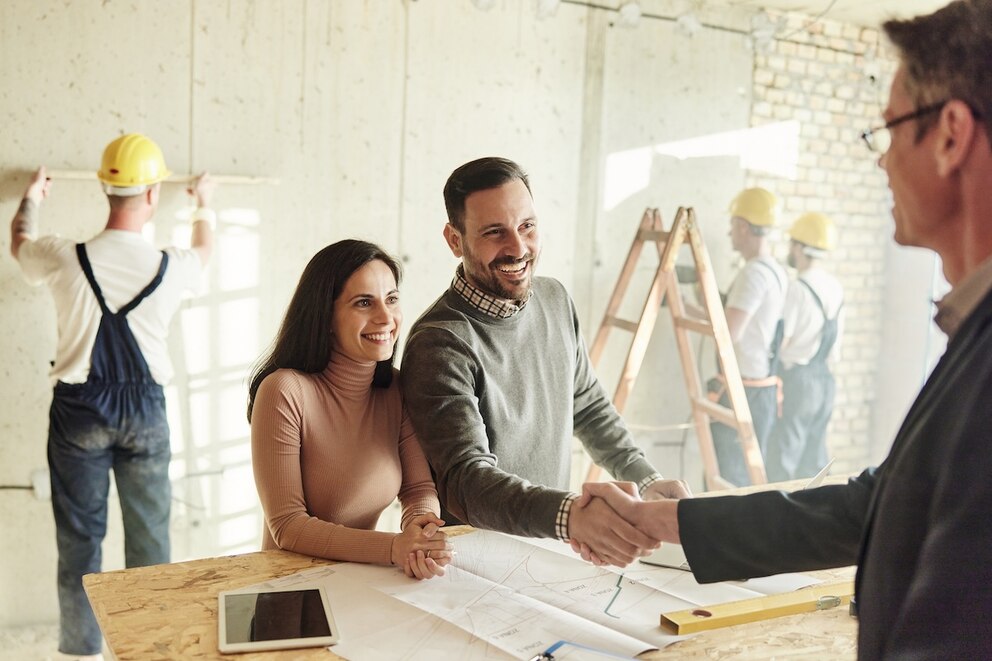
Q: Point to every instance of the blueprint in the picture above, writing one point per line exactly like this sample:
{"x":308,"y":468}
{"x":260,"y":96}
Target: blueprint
{"x":510,"y":598}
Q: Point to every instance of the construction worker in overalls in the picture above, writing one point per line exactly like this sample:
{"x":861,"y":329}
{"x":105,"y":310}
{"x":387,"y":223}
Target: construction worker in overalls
{"x":753,"y":308}
{"x":812,"y":319}
{"x":115,"y":296}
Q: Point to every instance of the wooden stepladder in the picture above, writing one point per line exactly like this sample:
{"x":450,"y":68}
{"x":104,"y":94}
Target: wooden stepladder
{"x":665,"y":287}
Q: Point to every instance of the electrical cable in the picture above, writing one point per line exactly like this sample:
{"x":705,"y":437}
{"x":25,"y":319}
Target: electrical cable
{"x":674,"y":19}
{"x":657,"y":17}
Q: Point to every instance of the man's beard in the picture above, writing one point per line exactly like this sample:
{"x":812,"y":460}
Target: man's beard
{"x":492,"y":283}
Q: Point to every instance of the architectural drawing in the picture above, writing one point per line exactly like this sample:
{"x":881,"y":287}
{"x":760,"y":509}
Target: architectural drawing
{"x":508,"y":597}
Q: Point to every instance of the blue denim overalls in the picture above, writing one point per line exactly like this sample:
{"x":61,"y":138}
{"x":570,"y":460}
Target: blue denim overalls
{"x":116,"y":419}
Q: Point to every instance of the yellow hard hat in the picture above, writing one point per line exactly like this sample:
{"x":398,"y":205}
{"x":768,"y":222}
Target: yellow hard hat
{"x":130,"y":164}
{"x":757,"y":206}
{"x":814,"y":230}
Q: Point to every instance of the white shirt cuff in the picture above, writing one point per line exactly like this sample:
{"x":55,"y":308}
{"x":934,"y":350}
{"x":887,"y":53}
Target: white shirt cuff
{"x":205,"y":214}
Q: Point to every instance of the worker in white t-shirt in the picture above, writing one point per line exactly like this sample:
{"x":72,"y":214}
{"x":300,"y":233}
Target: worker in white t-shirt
{"x":115,"y":296}
{"x":812,"y":328}
{"x":753,"y":308}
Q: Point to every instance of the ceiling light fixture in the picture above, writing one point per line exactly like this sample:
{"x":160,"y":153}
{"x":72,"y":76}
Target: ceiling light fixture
{"x":546,"y":8}
{"x":629,"y":15}
{"x":688,"y":24}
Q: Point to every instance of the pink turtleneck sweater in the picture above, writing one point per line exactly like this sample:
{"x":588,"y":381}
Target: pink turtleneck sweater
{"x":330,"y":452}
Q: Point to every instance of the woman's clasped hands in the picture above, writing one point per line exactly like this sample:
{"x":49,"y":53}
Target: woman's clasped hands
{"x":421,"y":549}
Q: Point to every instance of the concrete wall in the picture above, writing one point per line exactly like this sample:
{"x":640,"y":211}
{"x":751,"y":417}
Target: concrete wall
{"x":360,"y":109}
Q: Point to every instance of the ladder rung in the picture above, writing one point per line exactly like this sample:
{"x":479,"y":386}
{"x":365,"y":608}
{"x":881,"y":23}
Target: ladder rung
{"x":698,"y":325}
{"x":666,"y":290}
{"x":621,"y":323}
{"x":716,"y":412}
{"x":652,"y":235}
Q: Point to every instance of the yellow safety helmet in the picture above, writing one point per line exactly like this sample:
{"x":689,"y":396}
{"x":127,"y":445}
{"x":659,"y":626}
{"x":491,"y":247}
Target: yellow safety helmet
{"x":130,"y":164}
{"x":814,"y":230}
{"x":757,"y":206}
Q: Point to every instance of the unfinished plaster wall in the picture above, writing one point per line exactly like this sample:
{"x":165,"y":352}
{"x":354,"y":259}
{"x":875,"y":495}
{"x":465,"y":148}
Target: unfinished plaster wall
{"x":360,"y":109}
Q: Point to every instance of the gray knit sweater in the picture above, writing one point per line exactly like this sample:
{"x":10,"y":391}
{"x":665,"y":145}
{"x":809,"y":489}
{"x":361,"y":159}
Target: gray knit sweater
{"x":496,"y":402}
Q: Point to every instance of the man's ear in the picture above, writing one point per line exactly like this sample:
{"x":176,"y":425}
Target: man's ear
{"x":955,"y":134}
{"x":454,"y":240}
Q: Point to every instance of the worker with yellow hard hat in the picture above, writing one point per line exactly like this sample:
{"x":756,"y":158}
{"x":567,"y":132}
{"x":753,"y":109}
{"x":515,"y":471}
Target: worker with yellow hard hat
{"x":115,"y":296}
{"x":813,"y":234}
{"x":753,"y":308}
{"x":811,"y":328}
{"x":130,"y":165}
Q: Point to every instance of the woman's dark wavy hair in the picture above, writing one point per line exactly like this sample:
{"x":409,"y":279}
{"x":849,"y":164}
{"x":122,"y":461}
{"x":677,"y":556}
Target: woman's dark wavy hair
{"x":304,"y":339}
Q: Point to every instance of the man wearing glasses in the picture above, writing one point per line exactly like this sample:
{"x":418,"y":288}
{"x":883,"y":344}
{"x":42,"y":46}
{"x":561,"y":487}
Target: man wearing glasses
{"x":920,"y":525}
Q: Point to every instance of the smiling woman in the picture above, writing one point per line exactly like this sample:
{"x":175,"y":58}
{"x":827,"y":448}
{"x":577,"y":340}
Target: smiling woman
{"x":367,"y":314}
{"x":331,"y":442}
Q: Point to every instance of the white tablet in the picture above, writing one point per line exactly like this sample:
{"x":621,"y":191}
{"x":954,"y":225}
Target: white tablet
{"x":275,"y":618}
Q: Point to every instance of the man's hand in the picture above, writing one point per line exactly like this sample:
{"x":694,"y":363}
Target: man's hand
{"x":587,"y":495}
{"x":609,"y":538}
{"x":202,"y":188}
{"x":24,"y":226}
{"x":38,"y":187}
{"x":202,"y":236}
{"x":657,"y":518}
{"x":421,"y":550}
{"x":667,"y":489}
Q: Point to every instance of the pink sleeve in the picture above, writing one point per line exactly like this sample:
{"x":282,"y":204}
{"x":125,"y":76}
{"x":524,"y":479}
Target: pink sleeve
{"x":417,"y":492}
{"x":276,"y":432}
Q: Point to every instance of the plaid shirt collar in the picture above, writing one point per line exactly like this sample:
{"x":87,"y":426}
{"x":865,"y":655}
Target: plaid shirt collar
{"x":485,"y":303}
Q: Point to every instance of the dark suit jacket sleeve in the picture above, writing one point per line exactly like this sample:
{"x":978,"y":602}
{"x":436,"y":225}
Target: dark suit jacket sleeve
{"x":735,"y":537}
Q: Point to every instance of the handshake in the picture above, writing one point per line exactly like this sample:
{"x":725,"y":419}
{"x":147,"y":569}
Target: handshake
{"x":610,"y":524}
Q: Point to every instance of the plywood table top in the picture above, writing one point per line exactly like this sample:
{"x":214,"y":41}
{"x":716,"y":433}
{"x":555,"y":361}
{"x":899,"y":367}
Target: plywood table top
{"x":170,"y":612}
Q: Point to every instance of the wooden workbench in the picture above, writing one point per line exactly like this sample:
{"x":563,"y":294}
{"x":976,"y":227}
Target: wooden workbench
{"x":170,"y":612}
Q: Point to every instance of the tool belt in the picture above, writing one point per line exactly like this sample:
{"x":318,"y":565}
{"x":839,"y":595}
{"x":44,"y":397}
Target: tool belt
{"x":717,"y":386}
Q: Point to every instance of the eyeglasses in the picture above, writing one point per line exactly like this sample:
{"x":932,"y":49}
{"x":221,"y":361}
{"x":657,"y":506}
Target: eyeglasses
{"x":879,"y":138}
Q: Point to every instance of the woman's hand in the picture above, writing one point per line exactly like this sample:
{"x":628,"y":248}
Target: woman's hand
{"x":421,"y":549}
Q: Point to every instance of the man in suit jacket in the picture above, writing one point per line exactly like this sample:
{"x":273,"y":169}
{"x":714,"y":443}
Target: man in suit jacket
{"x":920,"y":526}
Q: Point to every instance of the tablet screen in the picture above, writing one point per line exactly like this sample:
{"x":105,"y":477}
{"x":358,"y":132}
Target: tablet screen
{"x":275,"y":619}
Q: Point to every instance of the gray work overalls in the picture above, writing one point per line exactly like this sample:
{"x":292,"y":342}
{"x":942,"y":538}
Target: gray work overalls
{"x":798,"y":446}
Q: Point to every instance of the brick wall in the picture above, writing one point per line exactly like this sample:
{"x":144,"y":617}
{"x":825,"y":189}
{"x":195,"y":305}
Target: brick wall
{"x":833,"y":78}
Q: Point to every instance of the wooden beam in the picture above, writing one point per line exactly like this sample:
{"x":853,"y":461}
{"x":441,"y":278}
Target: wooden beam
{"x":235,"y":179}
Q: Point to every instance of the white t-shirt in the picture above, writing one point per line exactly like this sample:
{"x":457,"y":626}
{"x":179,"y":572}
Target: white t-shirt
{"x":123,"y":264}
{"x":758,"y":291}
{"x":803,"y":319}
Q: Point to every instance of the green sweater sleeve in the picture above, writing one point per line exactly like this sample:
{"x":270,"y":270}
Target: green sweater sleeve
{"x":441,"y":377}
{"x":497,"y":402}
{"x":599,"y":426}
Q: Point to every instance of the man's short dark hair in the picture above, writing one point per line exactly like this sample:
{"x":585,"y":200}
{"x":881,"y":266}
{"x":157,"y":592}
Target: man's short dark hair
{"x":480,"y":174}
{"x":947,"y":55}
